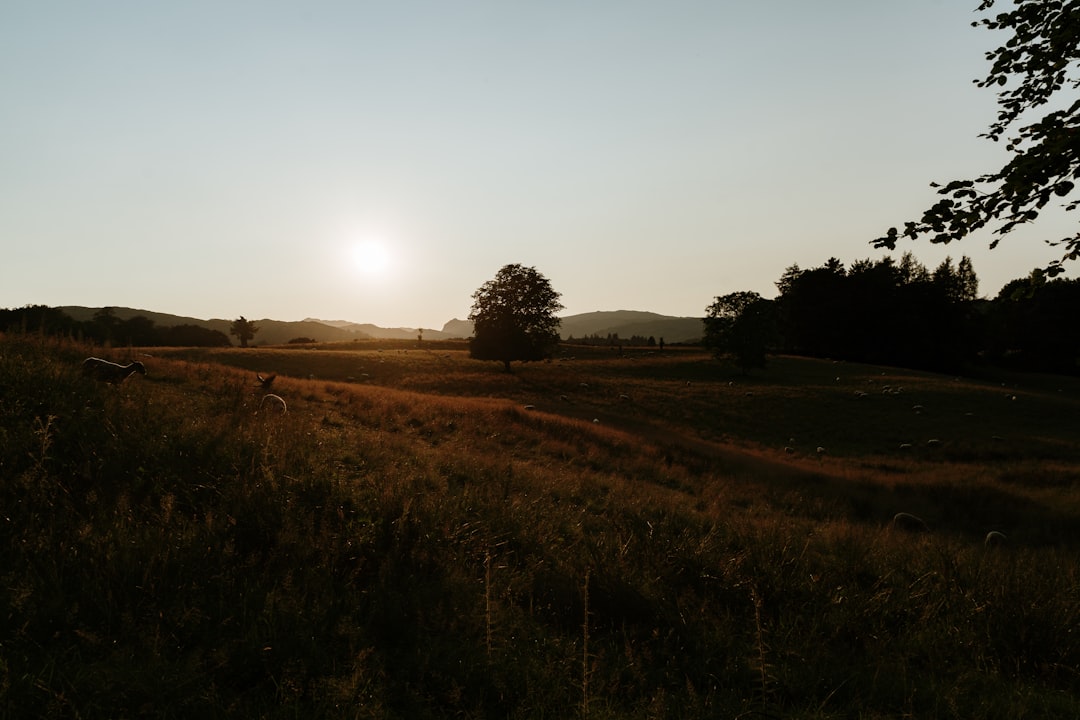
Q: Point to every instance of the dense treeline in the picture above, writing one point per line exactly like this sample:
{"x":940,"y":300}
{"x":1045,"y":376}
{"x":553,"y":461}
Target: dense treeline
{"x":882,"y":312}
{"x":902,"y":314}
{"x":106,"y":328}
{"x":613,"y":339}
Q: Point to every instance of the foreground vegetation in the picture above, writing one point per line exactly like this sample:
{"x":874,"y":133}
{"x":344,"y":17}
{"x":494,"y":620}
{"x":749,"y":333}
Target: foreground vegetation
{"x":637,"y":536}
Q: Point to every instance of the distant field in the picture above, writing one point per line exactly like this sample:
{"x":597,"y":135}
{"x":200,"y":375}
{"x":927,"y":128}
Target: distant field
{"x":607,"y":535}
{"x":892,"y":428}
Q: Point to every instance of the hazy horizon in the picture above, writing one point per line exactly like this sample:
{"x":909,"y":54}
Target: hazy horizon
{"x":335,"y":321}
{"x":378,"y":163}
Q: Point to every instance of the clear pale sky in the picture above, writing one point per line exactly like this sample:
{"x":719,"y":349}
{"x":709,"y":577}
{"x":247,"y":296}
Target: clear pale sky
{"x":218,"y":159}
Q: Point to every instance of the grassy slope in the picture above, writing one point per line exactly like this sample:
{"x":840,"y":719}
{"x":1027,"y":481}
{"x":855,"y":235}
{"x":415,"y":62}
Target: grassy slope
{"x":410,"y":541}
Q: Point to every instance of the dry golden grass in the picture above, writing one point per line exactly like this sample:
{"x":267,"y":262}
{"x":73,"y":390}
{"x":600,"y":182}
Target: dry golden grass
{"x":411,"y":540}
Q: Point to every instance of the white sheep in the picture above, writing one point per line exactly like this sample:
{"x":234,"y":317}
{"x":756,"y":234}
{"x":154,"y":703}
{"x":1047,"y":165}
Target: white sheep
{"x":110,"y":372}
{"x":276,"y":401}
{"x":909,"y":522}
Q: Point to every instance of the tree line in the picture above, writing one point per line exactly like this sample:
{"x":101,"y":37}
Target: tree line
{"x":107,"y":329}
{"x":901,"y":313}
{"x":883,"y":312}
{"x":613,"y":339}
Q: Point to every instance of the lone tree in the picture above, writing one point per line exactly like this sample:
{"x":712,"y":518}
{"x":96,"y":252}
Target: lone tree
{"x":244,"y":330}
{"x":514,"y":317}
{"x":1040,"y":59}
{"x":740,"y":324}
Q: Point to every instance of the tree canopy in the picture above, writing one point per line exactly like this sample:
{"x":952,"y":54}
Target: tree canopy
{"x":882,"y":311}
{"x":514,"y":317}
{"x":1037,"y":67}
{"x":243,"y":329}
{"x":740,"y":324}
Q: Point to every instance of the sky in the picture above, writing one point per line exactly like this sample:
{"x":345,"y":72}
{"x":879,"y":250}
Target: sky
{"x":377,"y":162}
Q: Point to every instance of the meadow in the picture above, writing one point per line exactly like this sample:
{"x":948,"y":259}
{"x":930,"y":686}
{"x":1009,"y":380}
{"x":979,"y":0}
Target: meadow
{"x":633,"y":534}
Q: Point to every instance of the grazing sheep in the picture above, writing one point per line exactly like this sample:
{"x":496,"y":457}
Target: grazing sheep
{"x":908,"y":522}
{"x":110,"y":372}
{"x":905,"y":446}
{"x":276,"y":401}
{"x":994,"y":538}
{"x":530,"y":407}
{"x":265,"y":382}
{"x":933,"y":442}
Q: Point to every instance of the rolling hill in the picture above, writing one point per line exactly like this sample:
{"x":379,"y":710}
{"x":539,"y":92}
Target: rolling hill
{"x":624,"y":323}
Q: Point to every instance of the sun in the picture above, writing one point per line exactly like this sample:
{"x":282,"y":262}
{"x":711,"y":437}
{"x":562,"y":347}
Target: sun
{"x":372,"y":257}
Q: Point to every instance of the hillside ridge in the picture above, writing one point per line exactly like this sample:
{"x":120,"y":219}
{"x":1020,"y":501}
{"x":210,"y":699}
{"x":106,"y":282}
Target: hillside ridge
{"x":623,"y":323}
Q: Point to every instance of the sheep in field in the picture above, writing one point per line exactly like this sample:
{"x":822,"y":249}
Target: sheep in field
{"x":909,"y":522}
{"x":110,"y":372}
{"x":275,"y":401}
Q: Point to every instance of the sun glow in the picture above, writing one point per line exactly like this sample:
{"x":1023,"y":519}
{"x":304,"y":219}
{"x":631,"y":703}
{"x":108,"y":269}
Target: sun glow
{"x":372,"y":257}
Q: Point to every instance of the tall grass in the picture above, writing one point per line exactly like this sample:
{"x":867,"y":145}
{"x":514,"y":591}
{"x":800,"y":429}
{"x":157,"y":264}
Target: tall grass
{"x":423,"y":546}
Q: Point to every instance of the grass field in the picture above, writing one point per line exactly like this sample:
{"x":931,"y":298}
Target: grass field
{"x":635,"y":535}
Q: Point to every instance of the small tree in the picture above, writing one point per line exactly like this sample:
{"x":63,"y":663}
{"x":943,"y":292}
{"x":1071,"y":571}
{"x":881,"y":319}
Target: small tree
{"x":741,"y":325}
{"x":514,"y":317}
{"x":244,"y":330}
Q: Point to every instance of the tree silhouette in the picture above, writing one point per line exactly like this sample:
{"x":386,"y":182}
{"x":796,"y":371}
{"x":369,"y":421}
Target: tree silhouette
{"x":138,"y":330}
{"x":514,"y":317}
{"x":882,"y":312}
{"x":1040,"y":58}
{"x":1030,"y":319}
{"x":244,"y":330}
{"x":106,"y":323}
{"x":740,"y":324}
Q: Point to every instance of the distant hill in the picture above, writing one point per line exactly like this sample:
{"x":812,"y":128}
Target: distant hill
{"x":458,"y":328}
{"x":271,"y":332}
{"x":625,"y":323}
{"x":374,"y":331}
